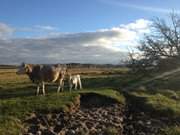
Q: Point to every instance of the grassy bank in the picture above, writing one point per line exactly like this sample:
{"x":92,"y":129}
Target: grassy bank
{"x":161,"y":104}
{"x":14,"y":110}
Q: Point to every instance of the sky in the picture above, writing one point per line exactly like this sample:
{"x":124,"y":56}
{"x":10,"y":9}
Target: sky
{"x":83,"y":31}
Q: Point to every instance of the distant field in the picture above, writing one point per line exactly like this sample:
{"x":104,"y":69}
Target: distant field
{"x":8,"y":66}
{"x":98,"y":71}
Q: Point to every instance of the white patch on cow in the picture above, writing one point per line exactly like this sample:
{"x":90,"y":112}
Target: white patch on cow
{"x":56,"y":77}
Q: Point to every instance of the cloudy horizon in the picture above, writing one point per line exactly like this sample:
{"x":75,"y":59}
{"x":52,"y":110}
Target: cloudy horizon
{"x":103,"y":46}
{"x":66,"y":31}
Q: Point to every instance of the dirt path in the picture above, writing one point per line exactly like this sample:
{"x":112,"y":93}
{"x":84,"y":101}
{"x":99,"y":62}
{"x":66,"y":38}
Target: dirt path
{"x":97,"y":115}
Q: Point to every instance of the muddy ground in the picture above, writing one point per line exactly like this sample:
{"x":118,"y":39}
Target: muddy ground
{"x":98,"y":115}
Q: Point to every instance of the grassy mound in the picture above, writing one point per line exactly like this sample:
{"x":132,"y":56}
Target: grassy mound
{"x":161,"y":103}
{"x":172,"y":130}
{"x":14,"y":110}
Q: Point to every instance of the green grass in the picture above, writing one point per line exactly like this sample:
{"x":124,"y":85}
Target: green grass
{"x":108,"y":93}
{"x":159,"y":103}
{"x":171,"y":131}
{"x":17,"y":97}
{"x":17,"y":100}
{"x":13,"y":110}
{"x":111,"y":131}
{"x":119,"y":81}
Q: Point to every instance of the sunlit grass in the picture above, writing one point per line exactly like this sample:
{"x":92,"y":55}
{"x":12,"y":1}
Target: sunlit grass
{"x":159,"y":102}
{"x":173,"y":130}
{"x":17,"y":100}
{"x":17,"y":96}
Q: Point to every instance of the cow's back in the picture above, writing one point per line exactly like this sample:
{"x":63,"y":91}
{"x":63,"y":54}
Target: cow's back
{"x":49,"y":73}
{"x":35,"y":74}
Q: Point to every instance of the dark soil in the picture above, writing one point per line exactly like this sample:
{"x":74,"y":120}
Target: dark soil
{"x":96,"y":115}
{"x":138,"y":122}
{"x":99,"y":115}
{"x":142,"y":122}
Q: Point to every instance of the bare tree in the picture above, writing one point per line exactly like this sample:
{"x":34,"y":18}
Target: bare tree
{"x":163,"y":42}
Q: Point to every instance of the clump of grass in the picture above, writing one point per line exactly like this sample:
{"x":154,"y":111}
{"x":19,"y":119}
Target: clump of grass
{"x":174,"y":130}
{"x":111,"y":131}
{"x":170,"y":94}
{"x":20,"y":106}
{"x":108,"y":93}
{"x":16,"y":109}
{"x":10,"y":125}
{"x":159,"y":103}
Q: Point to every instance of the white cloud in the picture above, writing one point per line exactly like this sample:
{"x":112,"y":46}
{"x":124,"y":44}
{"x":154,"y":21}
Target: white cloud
{"x":140,"y":25}
{"x":101,"y":46}
{"x":38,"y":31}
{"x":46,"y":27}
{"x":5,"y":31}
{"x":128,"y":35}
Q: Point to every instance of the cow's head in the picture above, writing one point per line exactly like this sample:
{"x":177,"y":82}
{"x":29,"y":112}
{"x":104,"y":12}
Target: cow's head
{"x":24,"y":69}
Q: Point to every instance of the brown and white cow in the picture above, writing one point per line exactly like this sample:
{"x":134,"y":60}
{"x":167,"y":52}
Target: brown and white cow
{"x":40,"y":74}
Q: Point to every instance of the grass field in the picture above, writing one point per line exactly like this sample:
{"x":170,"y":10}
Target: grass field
{"x":17,"y":99}
{"x":17,"y":96}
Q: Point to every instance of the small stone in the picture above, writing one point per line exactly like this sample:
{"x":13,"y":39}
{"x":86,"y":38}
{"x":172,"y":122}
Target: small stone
{"x":41,"y":127}
{"x":39,"y":133}
{"x":175,"y":96}
{"x":121,"y":119}
{"x":62,"y":132}
{"x":148,"y":122}
{"x":51,"y":128}
{"x":130,"y":117}
{"x":142,"y":113}
{"x":140,"y":122}
{"x":71,"y":132}
{"x":141,"y":133}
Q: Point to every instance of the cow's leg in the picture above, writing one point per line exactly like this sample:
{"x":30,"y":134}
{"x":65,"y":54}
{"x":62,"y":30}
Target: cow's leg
{"x":70,"y":84}
{"x":80,"y":84}
{"x":43,"y":88}
{"x":59,"y":88}
{"x":37,"y":92}
{"x":60,"y":85}
{"x":76,"y":85}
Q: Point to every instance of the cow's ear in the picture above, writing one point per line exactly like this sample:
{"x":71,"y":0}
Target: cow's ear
{"x":26,"y":65}
{"x":28,"y":68}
